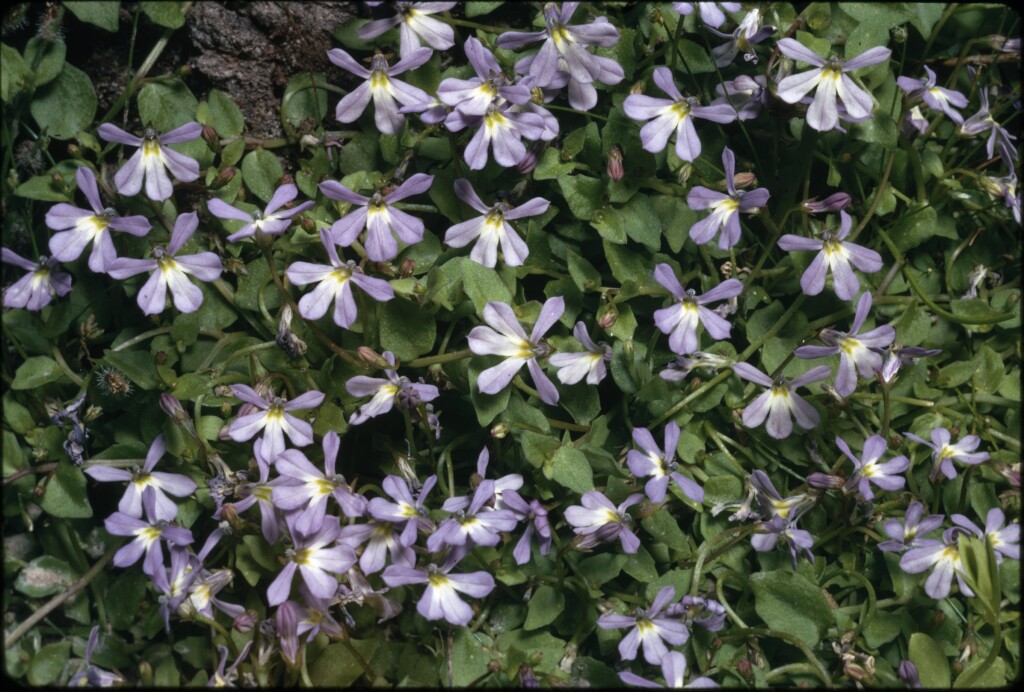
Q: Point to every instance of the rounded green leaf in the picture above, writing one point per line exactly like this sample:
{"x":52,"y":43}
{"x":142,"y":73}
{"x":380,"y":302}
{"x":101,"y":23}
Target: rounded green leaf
{"x":261,"y":170}
{"x":167,"y":105}
{"x":66,"y":105}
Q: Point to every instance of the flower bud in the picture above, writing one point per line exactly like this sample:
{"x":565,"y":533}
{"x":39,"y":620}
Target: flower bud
{"x":285,"y":179}
{"x":834,"y":202}
{"x":407,"y":267}
{"x":224,"y":176}
{"x":173,"y":408}
{"x":615,"y":164}
{"x":146,"y":673}
{"x":372,"y":358}
{"x":824,"y":481}
{"x":57,"y":178}
{"x":744,"y":179}
{"x":685,"y":172}
{"x":744,"y":669}
{"x":499,"y":431}
{"x":526,"y":677}
{"x":529,"y":160}
{"x":607,"y":315}
{"x":908,"y":674}
{"x":308,"y":224}
{"x":74,"y":150}
{"x":899,"y":34}
{"x":246,"y":622}
{"x":638,"y":88}
{"x":211,"y":137}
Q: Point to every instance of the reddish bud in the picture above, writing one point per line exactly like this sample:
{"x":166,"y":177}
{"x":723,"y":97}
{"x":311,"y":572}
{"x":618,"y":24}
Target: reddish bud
{"x":615,"y":163}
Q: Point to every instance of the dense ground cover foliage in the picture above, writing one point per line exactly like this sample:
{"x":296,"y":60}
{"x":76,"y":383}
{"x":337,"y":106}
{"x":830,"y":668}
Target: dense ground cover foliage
{"x":559,"y":344}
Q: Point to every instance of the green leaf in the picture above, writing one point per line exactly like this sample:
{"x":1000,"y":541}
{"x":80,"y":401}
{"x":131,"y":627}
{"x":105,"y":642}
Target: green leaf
{"x":787,"y":602}
{"x":48,"y":663}
{"x":665,"y":528}
{"x":641,"y":223}
{"x":305,"y":98}
{"x":66,"y":105}
{"x":45,"y":59}
{"x":261,"y":170}
{"x":546,"y":605}
{"x":571,"y":469}
{"x":475,"y":9}
{"x":551,"y":167}
{"x":582,"y":194}
{"x":166,"y":105}
{"x":222,"y":114}
{"x":918,"y":225}
{"x":932,"y":664}
{"x":611,"y":223}
{"x":601,"y":568}
{"x":16,"y":73}
{"x":45,"y":576}
{"x":65,"y":493}
{"x":406,"y":329}
{"x":994,"y":676}
{"x":990,"y":373}
{"x":35,"y":372}
{"x":166,"y":13}
{"x":468,"y":658}
{"x":101,"y":14}
{"x":483,"y":284}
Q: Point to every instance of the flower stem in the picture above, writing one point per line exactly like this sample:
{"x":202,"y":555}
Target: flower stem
{"x":439,"y":358}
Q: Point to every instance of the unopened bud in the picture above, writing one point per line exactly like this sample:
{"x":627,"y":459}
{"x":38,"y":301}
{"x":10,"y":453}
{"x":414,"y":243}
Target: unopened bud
{"x":224,"y":434}
{"x":744,"y":668}
{"x":211,"y":137}
{"x":656,"y":17}
{"x":229,"y":513}
{"x":607,"y":315}
{"x":856,"y":672}
{"x":825,"y":481}
{"x":834,"y":202}
{"x":73,"y":150}
{"x":372,"y":358}
{"x":899,"y":34}
{"x":173,"y":408}
{"x":638,"y":88}
{"x":245,"y":622}
{"x":57,"y":178}
{"x":940,"y":617}
{"x":744,"y":179}
{"x":407,"y":267}
{"x":529,"y":160}
{"x":224,"y":176}
{"x":285,"y":179}
{"x":146,"y":673}
{"x":499,"y":431}
{"x":615,"y":164}
{"x":908,"y":674}
{"x":308,"y":224}
{"x":685,"y":172}
{"x":526,"y":677}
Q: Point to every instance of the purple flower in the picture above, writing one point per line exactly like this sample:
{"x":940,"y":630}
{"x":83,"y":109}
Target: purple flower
{"x":679,"y":321}
{"x":943,"y":558}
{"x":673,"y":663}
{"x":303,"y":489}
{"x":837,"y":201}
{"x":858,"y":353}
{"x":386,"y":392}
{"x":706,"y":613}
{"x":660,"y":465}
{"x":148,"y":163}
{"x":867,"y":470}
{"x":935,"y":97}
{"x":492,"y":228}
{"x":565,"y":51}
{"x":380,"y":537}
{"x":905,"y":536}
{"x":682,"y":365}
{"x":225,"y":677}
{"x":747,"y":95}
{"x":505,"y":337}
{"x":744,"y":37}
{"x":414,"y":25}
{"x":318,"y":558}
{"x":1007,"y":187}
{"x":476,"y":525}
{"x":573,"y":367}
{"x":502,"y":130}
{"x":780,"y":404}
{"x":334,"y":284}
{"x":172,"y":582}
{"x":1005,"y":540}
{"x":261,"y":492}
{"x":771,"y":504}
{"x":512,"y":481}
{"x":270,"y":222}
{"x":440,"y":600}
{"x":382,"y":221}
{"x":711,"y":13}
{"x":836,"y":256}
{"x":650,"y":628}
{"x":140,"y":479}
{"x":673,"y":115}
{"x":170,"y":270}
{"x":35,"y":290}
{"x":406,"y":511}
{"x":724,"y":208}
{"x":491,"y":85}
{"x":799,"y":541}
{"x":92,"y":676}
{"x":89,"y":226}
{"x":599,"y":520}
{"x":944,"y":453}
{"x":387,"y":92}
{"x":536,"y":518}
{"x":832,"y":81}
{"x":896,"y":357}
{"x":981,"y":121}
{"x":203,"y":592}
{"x":274,"y":419}
{"x":147,"y":536}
